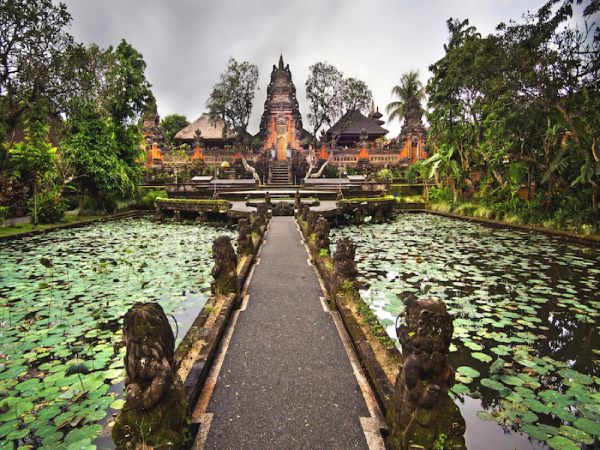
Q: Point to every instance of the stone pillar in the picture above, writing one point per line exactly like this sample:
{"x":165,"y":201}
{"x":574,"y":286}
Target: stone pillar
{"x":155,"y":411}
{"x":422,"y":409}
{"x":224,"y":272}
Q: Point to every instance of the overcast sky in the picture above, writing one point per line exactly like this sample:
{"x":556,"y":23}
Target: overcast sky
{"x":186,"y":43}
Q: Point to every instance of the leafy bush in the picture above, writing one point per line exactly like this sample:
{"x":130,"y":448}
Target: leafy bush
{"x":148,"y":198}
{"x":443,"y":194}
{"x":384,"y":176}
{"x":3,"y":213}
{"x":51,"y":207}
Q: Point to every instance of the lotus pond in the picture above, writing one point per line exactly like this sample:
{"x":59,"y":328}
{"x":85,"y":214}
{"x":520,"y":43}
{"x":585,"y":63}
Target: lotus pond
{"x":62,"y":300}
{"x":526,"y":313}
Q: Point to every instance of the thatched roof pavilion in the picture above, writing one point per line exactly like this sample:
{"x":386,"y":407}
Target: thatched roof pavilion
{"x":211,"y":132}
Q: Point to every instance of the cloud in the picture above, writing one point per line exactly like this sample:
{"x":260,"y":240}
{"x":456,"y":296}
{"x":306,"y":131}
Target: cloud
{"x":186,"y":43}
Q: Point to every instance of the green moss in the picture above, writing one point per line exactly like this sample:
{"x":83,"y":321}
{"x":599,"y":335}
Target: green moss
{"x":191,"y":201}
{"x":166,"y":426}
{"x":349,"y":201}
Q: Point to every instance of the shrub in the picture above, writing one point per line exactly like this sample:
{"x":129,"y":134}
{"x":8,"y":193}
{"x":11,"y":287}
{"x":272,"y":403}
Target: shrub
{"x":3,"y":213}
{"x":148,"y":198}
{"x":443,"y":194}
{"x":51,"y":207}
{"x":384,"y":176}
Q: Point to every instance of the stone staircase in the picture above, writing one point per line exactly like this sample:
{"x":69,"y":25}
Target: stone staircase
{"x":280,"y":173}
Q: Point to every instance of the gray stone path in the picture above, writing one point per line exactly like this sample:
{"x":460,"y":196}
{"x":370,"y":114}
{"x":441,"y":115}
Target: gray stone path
{"x":286,"y":381}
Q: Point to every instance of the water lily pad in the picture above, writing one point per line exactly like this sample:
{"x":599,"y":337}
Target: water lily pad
{"x":562,"y":443}
{"x":481,"y":357}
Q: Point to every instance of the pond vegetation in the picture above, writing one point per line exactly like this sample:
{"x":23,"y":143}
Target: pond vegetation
{"x":62,"y":299}
{"x":526,"y":329}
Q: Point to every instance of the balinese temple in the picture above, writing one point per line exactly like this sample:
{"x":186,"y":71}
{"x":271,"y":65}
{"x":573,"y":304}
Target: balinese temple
{"x":413,"y":134}
{"x":281,"y":122}
{"x":155,"y":142}
{"x":354,"y":127}
{"x":211,"y":133}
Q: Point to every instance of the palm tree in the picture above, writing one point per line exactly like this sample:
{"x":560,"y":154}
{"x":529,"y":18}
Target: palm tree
{"x":408,"y":91}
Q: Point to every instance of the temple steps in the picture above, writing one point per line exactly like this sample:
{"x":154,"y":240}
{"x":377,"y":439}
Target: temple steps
{"x":280,"y":173}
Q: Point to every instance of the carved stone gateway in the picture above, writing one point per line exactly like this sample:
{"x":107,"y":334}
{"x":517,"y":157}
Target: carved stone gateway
{"x":155,"y":411}
{"x":423,"y":413}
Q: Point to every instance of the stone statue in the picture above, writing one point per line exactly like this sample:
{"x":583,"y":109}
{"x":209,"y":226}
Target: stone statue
{"x":262,"y":212}
{"x":422,"y":409}
{"x":322,"y":233}
{"x":311,"y":220}
{"x":343,"y":260}
{"x":283,"y":209}
{"x":245,"y":246}
{"x":155,"y":411}
{"x":224,"y":271}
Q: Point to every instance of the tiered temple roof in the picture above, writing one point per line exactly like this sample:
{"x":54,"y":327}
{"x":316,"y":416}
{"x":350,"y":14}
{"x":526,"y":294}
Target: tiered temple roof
{"x":354,"y":127}
{"x":281,"y":116}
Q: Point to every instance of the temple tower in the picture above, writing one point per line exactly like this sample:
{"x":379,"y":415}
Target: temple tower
{"x":281,"y":123}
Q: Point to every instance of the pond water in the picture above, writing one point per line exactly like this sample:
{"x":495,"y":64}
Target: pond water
{"x":526,"y":313}
{"x":62,"y":299}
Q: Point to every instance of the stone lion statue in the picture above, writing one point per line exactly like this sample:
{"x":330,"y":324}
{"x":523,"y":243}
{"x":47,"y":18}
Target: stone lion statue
{"x":343,"y":259}
{"x":224,"y":271}
{"x":149,"y":363}
{"x":155,"y":411}
{"x":422,"y":408}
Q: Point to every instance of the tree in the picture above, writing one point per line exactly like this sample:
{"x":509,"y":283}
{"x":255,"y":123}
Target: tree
{"x":409,"y":89}
{"x":231,"y":98}
{"x":356,"y":95}
{"x":102,"y":147}
{"x":171,"y":124}
{"x":33,"y":42}
{"x":33,"y":158}
{"x":323,"y":88}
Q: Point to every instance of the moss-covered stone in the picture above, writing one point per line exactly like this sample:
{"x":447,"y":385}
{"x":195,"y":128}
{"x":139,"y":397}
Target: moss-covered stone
{"x":164,"y":427}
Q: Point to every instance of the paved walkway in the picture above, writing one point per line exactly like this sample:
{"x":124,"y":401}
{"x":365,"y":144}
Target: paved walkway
{"x":286,"y":380}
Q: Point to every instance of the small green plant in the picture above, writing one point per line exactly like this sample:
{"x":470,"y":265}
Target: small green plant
{"x":323,"y":253}
{"x":51,"y":207}
{"x":440,"y":442}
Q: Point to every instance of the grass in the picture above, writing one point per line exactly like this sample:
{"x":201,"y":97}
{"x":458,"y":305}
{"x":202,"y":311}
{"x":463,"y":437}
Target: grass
{"x":14,"y":230}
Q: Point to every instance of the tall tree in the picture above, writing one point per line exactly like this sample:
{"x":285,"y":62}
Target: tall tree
{"x":172,"y":123}
{"x":323,"y":88}
{"x":33,"y":42}
{"x":231,"y":98}
{"x":356,"y":95}
{"x":409,"y":89}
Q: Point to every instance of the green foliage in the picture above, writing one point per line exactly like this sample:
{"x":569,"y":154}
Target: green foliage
{"x":323,"y":253}
{"x":149,"y":197}
{"x":410,"y":90}
{"x":440,"y":442}
{"x":356,"y":95}
{"x":330,"y":95}
{"x":441,"y":194}
{"x":323,"y":88}
{"x":51,"y":207}
{"x":384,"y":176}
{"x":518,"y":110}
{"x":172,"y":123}
{"x":231,"y":98}
{"x":3,"y":213}
{"x":32,"y":50}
